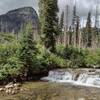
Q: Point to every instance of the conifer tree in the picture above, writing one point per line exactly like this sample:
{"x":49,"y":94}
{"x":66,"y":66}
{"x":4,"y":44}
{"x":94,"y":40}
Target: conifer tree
{"x":49,"y":22}
{"x":70,"y":36}
{"x":61,"y":26}
{"x":89,"y":31}
{"x":77,"y":30}
{"x":27,"y":50}
{"x":74,"y":26}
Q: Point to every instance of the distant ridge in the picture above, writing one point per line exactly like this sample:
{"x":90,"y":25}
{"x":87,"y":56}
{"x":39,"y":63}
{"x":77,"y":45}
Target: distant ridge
{"x":14,"y":20}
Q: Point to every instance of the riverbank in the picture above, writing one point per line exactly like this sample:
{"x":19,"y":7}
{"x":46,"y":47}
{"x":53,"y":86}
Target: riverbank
{"x":53,"y":91}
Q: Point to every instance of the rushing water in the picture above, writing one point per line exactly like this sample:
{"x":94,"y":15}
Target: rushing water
{"x":81,"y":77}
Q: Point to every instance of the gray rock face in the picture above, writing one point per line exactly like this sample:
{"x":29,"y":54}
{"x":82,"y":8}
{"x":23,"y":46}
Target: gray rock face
{"x":14,"y":20}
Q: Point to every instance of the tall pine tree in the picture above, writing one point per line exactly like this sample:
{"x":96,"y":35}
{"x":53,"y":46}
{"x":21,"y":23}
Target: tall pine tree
{"x":27,"y":51}
{"x":89,"y":31}
{"x":61,"y":26}
{"x":48,"y":22}
{"x":74,"y":26}
{"x":77,"y":30}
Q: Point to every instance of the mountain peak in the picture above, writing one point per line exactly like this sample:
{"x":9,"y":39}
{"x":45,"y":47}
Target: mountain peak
{"x":13,"y":20}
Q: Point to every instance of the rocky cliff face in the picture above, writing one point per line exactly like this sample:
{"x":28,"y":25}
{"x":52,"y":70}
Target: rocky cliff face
{"x":14,"y":20}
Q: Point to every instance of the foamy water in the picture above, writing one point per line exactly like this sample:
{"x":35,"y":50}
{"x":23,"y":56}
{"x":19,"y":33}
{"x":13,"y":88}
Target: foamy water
{"x":85,"y":78}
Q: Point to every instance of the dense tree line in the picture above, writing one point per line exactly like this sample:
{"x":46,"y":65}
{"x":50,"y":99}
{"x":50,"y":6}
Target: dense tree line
{"x":81,"y":37}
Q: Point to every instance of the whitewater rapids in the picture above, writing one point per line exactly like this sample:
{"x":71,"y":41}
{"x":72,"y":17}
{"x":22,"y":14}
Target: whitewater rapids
{"x":86,"y":77}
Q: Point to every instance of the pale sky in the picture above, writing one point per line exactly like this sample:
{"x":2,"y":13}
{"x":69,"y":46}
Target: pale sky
{"x":83,"y":5}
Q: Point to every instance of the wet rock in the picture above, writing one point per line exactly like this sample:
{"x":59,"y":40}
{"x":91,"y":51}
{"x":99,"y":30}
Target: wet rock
{"x":17,"y":85}
{"x":81,"y":99}
{"x":76,"y":76}
{"x":1,"y":89}
{"x":13,"y":92}
{"x":10,"y":85}
{"x":16,"y":88}
{"x":8,"y":91}
{"x":11,"y":88}
{"x":21,"y":89}
{"x":92,"y":70}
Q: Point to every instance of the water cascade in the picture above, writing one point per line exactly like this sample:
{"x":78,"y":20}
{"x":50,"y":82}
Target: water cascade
{"x":84,"y":77}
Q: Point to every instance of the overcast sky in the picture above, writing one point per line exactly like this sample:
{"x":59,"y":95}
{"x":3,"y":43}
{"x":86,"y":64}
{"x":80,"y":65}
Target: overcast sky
{"x":83,"y":5}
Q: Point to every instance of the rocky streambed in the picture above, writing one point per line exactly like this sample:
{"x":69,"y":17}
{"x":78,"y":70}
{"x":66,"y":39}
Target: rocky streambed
{"x":53,"y":91}
{"x":11,"y":88}
{"x":58,"y":88}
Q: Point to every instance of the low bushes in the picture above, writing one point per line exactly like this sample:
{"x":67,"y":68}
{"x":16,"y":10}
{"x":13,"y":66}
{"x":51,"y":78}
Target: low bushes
{"x":10,"y":65}
{"x":14,"y":57}
{"x":25,"y":58}
{"x":80,"y":57}
{"x":50,"y":60}
{"x":92,"y":59}
{"x":57,"y":61}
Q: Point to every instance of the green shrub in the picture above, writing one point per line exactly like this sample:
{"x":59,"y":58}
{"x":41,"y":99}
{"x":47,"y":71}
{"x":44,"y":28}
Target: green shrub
{"x":92,"y":59}
{"x":79,"y":57}
{"x":7,"y":50}
{"x":10,"y":64}
{"x":12,"y":68}
{"x":42,"y":55}
{"x":74,"y":55}
{"x":56,"y":61}
{"x":7,"y":37}
{"x":60,"y":50}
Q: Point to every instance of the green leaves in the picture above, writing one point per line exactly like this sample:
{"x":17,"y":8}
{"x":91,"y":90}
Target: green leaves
{"x":89,"y":33}
{"x":28,"y":51}
{"x":92,"y":59}
{"x":17,"y":56}
{"x":49,"y":22}
{"x":10,"y":65}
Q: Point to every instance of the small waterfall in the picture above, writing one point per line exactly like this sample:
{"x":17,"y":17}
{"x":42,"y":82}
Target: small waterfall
{"x":86,"y":78}
{"x":58,"y":76}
